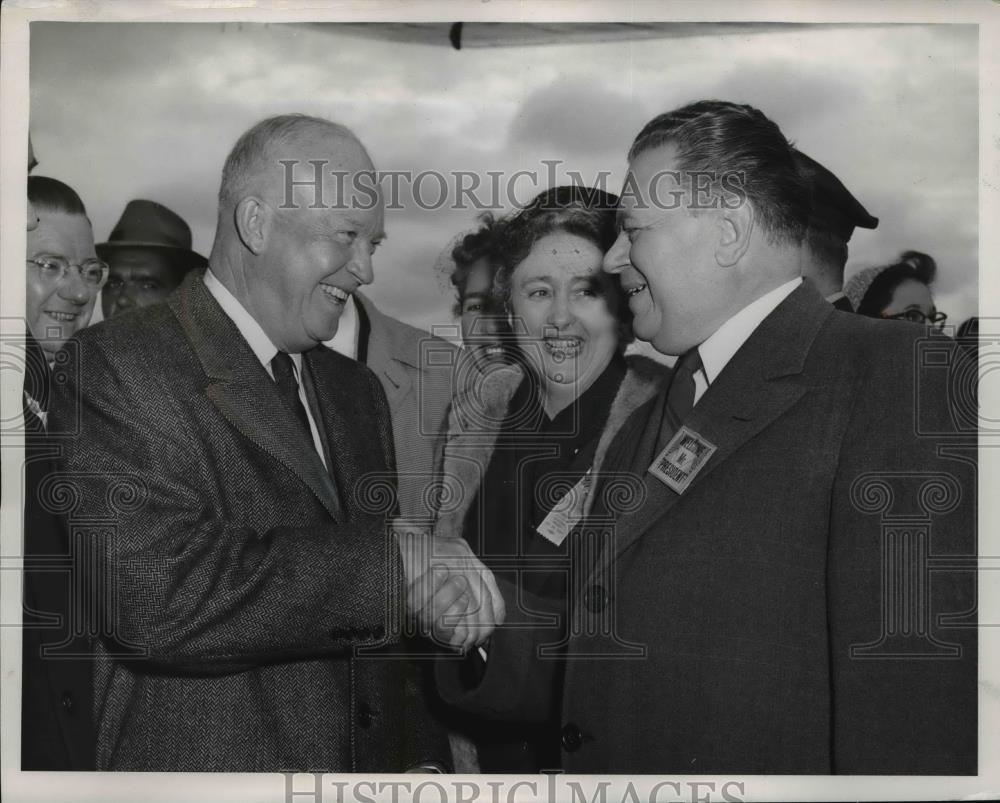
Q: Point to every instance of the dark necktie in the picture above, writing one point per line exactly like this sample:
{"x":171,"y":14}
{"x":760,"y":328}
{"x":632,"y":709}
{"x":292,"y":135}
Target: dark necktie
{"x":288,"y":389}
{"x":633,"y":451}
{"x":680,"y":395}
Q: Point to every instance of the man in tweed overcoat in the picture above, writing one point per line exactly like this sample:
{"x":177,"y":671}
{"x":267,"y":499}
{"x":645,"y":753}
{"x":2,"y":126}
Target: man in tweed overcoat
{"x":254,"y":590}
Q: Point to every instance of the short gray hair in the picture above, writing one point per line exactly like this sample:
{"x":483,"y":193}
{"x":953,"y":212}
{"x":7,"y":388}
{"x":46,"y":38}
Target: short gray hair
{"x":250,"y":155}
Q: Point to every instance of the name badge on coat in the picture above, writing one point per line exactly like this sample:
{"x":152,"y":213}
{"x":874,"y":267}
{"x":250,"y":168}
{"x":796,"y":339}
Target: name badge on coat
{"x":567,"y":512}
{"x":681,"y":460}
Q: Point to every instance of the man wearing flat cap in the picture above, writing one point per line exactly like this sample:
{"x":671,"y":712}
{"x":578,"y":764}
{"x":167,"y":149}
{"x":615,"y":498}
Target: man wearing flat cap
{"x":149,"y":253}
{"x":835,"y":213}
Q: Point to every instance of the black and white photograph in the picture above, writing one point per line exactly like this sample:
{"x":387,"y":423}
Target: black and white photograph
{"x":499,"y":401}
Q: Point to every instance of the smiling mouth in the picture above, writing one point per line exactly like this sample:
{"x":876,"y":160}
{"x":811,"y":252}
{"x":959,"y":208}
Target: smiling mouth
{"x":62,"y":317}
{"x":338,"y":295}
{"x":563,"y":346}
{"x":634,"y":291}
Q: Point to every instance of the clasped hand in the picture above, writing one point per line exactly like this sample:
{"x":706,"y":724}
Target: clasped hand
{"x":452,"y":595}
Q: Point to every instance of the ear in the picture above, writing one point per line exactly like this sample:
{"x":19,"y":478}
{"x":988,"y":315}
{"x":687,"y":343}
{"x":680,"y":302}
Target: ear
{"x":735,"y":227}
{"x":252,"y":218}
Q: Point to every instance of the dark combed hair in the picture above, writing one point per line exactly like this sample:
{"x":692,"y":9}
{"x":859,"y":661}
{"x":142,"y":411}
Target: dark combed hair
{"x":588,"y":212}
{"x":53,"y":195}
{"x":912,"y":266}
{"x":745,"y":151}
{"x":474,"y":246}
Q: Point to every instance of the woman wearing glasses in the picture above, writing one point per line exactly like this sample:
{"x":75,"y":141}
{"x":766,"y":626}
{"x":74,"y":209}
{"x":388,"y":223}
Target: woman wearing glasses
{"x":63,"y":279}
{"x":900,"y":291}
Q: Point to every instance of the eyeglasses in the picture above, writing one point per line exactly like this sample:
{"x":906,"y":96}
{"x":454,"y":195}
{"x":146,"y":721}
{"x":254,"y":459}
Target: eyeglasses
{"x":52,"y":269}
{"x":935,"y":319}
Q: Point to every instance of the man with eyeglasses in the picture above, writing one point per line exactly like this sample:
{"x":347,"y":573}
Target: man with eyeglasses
{"x":62,"y":281}
{"x":64,"y":274}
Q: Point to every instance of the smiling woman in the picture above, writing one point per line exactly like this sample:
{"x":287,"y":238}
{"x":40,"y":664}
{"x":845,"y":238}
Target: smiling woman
{"x":568,"y":390}
{"x":569,"y":316}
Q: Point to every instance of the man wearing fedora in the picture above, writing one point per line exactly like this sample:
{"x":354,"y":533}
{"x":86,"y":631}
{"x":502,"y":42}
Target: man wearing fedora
{"x":149,"y":253}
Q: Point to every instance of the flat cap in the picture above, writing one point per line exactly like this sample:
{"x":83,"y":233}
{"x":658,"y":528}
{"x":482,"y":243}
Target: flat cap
{"x":834,"y":209}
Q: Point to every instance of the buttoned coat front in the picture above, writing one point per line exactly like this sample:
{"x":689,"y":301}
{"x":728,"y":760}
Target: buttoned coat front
{"x":246,"y":585}
{"x":806,"y":604}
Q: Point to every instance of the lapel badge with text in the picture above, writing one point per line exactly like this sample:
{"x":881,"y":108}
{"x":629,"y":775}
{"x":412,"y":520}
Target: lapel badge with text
{"x":678,"y":464}
{"x":567,"y":513}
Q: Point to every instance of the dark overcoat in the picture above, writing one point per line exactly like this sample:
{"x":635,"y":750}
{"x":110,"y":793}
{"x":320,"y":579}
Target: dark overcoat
{"x":56,"y":667}
{"x":806,"y":604}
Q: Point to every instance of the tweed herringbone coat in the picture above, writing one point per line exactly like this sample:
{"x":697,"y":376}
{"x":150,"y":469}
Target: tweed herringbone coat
{"x":807,"y":604}
{"x":248,"y":587}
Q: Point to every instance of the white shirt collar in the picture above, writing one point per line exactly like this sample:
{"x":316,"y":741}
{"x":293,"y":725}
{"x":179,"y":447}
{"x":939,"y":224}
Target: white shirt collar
{"x":346,"y":340}
{"x":719,"y":349}
{"x":252,"y":332}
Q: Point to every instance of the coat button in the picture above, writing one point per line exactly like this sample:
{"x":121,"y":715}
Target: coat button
{"x":595,"y":598}
{"x":365,"y":715}
{"x":66,"y":701}
{"x":572,"y":738}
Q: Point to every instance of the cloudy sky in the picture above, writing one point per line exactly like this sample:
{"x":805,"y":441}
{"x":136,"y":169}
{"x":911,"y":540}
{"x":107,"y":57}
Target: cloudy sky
{"x":128,"y":110}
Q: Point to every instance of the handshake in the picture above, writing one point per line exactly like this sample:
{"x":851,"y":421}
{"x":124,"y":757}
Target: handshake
{"x":452,"y":595}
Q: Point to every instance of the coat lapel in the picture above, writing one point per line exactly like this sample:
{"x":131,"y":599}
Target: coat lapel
{"x":242,"y":391}
{"x":756,"y":388}
{"x":388,"y":357}
{"x":643,"y":382}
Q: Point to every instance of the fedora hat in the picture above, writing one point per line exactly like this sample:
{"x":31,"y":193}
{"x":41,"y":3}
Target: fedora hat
{"x":147,"y":224}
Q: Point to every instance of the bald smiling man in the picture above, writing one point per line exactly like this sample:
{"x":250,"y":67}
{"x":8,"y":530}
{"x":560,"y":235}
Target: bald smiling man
{"x":255,"y":578}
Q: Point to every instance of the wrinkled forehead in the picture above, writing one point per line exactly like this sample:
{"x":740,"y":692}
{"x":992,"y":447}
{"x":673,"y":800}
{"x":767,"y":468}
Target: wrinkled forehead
{"x":319,"y":192}
{"x":367,"y":219}
{"x":326,"y":168}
